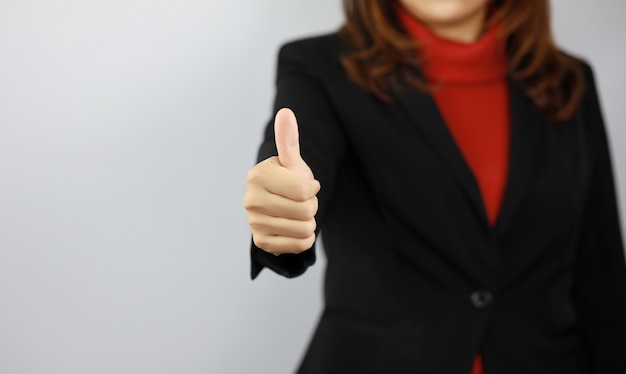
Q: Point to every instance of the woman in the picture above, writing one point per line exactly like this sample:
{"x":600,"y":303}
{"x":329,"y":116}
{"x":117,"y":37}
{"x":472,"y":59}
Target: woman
{"x":458,"y":166}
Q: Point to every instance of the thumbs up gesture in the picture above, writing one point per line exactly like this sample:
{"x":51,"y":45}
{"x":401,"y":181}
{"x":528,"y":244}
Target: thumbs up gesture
{"x":281,"y":194}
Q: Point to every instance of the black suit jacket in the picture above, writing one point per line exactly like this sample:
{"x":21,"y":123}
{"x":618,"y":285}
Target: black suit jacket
{"x":417,"y":280}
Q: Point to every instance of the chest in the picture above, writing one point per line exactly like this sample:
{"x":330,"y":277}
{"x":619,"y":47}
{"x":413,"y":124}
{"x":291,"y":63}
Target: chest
{"x":418,"y":165}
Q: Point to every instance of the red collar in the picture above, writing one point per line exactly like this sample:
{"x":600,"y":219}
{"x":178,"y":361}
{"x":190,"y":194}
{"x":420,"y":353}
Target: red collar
{"x":451,"y":62}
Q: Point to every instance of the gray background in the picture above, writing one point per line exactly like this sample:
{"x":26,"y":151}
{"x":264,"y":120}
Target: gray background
{"x":126,"y":131}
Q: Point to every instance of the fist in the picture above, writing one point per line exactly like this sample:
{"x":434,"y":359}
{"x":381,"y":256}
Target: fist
{"x":281,"y":194}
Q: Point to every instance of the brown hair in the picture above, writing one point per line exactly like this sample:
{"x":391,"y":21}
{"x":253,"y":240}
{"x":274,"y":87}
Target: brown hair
{"x":379,"y":50}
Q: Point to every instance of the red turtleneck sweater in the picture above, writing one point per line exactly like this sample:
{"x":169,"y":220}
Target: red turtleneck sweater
{"x":473,"y":100}
{"x":472,"y":96}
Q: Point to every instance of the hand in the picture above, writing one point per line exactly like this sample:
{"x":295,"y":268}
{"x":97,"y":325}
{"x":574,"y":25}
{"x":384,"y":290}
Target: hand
{"x":281,"y":194}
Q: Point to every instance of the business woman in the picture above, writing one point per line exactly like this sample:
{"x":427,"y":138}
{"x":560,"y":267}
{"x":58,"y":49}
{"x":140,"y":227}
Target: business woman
{"x":457,"y":165}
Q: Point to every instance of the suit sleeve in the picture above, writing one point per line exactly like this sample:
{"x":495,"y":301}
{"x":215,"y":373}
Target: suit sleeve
{"x":322,"y":142}
{"x":601,"y":274}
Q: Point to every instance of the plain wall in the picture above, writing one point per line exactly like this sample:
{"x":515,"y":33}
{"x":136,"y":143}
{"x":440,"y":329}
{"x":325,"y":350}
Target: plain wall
{"x":126,"y":131}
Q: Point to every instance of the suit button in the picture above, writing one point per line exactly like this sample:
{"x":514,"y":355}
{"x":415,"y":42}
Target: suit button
{"x":481,"y":299}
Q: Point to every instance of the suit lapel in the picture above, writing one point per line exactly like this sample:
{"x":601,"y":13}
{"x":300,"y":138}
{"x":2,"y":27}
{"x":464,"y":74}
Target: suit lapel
{"x":526,"y":124}
{"x":427,"y":118}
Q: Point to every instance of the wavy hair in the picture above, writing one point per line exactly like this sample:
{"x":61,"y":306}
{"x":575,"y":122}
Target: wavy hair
{"x":379,"y":51}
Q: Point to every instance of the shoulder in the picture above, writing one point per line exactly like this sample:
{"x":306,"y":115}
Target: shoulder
{"x":587,"y":73}
{"x":319,"y":53}
{"x":591,"y":90}
{"x":315,"y":46}
{"x":589,"y":105}
{"x":590,"y":112}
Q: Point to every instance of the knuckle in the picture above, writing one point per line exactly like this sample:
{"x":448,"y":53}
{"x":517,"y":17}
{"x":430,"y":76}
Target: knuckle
{"x":258,"y":173}
{"x":300,"y":246}
{"x":256,"y":198}
{"x":309,"y":209}
{"x":301,"y":192}
{"x":253,"y":175}
{"x":248,"y":201}
{"x":303,"y":230}
{"x":255,"y":225}
{"x":252,"y":200}
{"x":262,"y":242}
{"x":304,"y":245}
{"x":306,"y":229}
{"x":314,"y":206}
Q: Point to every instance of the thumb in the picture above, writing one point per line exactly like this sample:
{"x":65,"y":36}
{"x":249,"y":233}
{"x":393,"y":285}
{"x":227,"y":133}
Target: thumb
{"x":288,"y":144}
